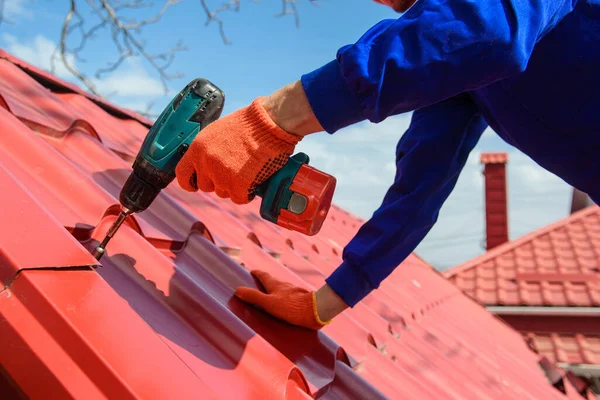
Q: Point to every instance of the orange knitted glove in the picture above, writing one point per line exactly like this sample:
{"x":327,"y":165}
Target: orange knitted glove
{"x":234,"y":154}
{"x":292,"y":304}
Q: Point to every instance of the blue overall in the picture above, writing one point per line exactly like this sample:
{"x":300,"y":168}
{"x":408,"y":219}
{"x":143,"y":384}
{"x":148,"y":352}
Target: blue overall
{"x":529,"y":69}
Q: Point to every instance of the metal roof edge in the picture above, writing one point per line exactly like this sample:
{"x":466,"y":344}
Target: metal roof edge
{"x":425,"y":263}
{"x":581,"y":369}
{"x":549,"y":310}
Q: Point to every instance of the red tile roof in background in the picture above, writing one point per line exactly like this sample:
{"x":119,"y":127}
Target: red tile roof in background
{"x":556,"y":266}
{"x":567,"y":348}
{"x":564,"y":337}
{"x":159,"y":320}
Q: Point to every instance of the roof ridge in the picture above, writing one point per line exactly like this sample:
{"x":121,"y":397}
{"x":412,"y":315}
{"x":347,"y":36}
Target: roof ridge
{"x":39,"y":74}
{"x":512,"y":244}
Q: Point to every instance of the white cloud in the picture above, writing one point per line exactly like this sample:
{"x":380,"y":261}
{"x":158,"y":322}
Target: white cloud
{"x":38,"y":51}
{"x":488,"y":133}
{"x":536,"y":176}
{"x":531,"y":176}
{"x":130,"y":80}
{"x":130,"y":86}
{"x":390,"y":167}
{"x":13,"y":9}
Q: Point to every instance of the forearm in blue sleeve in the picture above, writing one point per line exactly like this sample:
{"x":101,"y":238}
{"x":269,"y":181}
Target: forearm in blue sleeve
{"x":436,"y":50}
{"x":430,"y":157}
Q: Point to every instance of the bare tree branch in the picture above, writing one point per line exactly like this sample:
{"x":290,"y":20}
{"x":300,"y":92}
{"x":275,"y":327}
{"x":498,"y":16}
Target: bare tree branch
{"x":124,"y":35}
{"x":134,"y":4}
{"x":289,"y":8}
{"x":137,"y":26}
{"x":4,"y":10}
{"x":2,"y":5}
{"x":132,"y":42}
{"x":232,"y":5}
{"x":148,"y":111}
{"x":63,"y":50}
{"x":112,"y":19}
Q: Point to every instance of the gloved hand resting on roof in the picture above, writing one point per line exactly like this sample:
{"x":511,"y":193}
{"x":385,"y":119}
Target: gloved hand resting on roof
{"x":529,"y":69}
{"x":292,"y":304}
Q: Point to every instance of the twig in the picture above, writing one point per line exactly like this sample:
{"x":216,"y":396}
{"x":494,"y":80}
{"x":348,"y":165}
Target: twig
{"x":289,"y":8}
{"x":124,"y":37}
{"x":63,"y":50}
{"x":131,"y":41}
{"x":2,"y":5}
{"x":125,"y":33}
{"x":232,"y":5}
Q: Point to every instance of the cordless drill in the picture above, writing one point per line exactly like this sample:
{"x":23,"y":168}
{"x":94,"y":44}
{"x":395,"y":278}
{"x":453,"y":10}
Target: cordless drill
{"x":296,"y":197}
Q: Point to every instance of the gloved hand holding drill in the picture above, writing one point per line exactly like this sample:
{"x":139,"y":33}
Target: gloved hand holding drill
{"x":459,"y":65}
{"x":236,"y":153}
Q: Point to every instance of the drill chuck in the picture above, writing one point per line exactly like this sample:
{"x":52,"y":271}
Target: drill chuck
{"x":143,"y":185}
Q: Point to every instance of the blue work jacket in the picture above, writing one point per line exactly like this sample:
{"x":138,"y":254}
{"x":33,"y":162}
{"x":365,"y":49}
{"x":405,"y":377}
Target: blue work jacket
{"x":529,"y":69}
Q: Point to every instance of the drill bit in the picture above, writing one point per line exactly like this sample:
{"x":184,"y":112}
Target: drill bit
{"x":99,"y":251}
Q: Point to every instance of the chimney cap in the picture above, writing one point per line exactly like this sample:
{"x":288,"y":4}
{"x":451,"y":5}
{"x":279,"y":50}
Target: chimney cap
{"x":494,"y":158}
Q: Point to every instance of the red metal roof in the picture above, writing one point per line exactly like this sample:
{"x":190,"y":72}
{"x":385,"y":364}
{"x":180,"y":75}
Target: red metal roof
{"x":158,"y":319}
{"x":51,"y":81}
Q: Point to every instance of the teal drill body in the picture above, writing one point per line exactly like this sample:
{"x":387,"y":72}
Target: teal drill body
{"x":303,"y":202}
{"x":177,"y":126}
{"x":196,"y":106}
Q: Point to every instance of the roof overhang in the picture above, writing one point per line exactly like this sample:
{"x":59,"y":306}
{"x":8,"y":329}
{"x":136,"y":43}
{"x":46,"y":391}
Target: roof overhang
{"x":581,"y":369}
{"x":550,"y":311}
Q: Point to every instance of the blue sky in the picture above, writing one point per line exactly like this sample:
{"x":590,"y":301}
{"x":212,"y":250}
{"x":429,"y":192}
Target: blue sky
{"x":267,"y":53}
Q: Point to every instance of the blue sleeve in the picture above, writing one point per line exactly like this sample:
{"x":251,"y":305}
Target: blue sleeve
{"x":434,"y":51}
{"x":430,"y":157}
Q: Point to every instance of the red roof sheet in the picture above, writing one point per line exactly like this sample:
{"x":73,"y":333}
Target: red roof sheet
{"x":158,"y":319}
{"x":52,"y":81}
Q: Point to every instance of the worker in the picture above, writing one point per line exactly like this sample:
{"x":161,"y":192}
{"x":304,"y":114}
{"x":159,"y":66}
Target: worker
{"x":529,"y":69}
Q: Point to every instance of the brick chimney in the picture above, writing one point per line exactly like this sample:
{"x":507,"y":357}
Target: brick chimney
{"x":496,"y":207}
